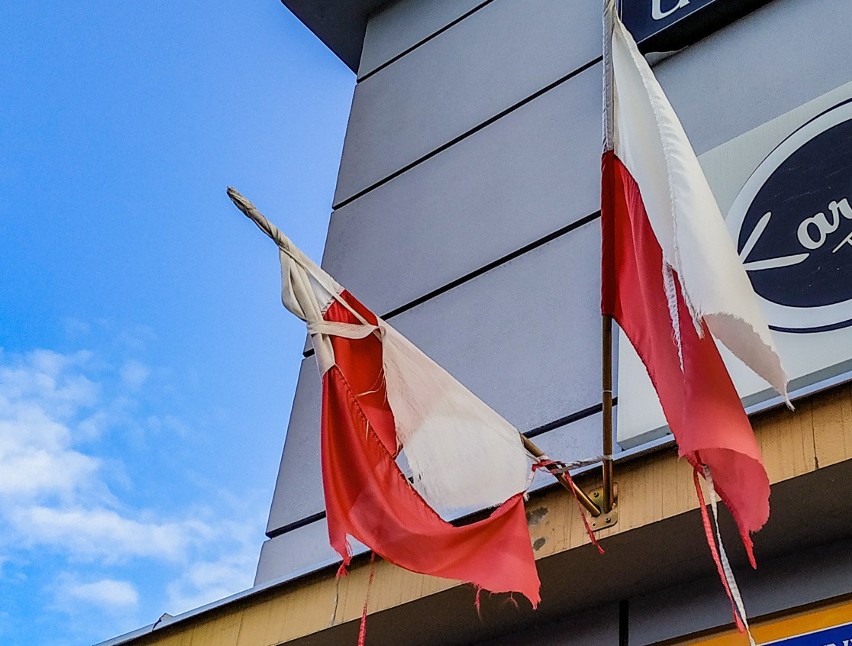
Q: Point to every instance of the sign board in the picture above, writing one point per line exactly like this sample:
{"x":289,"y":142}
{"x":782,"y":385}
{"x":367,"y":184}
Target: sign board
{"x":787,"y":188}
{"x":792,"y":222}
{"x":668,"y":25}
{"x":835,"y":636}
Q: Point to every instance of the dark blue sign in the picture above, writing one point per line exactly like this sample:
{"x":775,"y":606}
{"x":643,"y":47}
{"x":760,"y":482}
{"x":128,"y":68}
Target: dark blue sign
{"x":836,"y":636}
{"x":793,"y":226}
{"x":668,"y":25}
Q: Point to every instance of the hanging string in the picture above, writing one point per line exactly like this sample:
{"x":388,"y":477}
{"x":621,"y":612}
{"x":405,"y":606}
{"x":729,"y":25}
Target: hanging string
{"x":720,"y":557}
{"x":362,"y":631}
{"x":336,"y":602}
{"x":559,"y":468}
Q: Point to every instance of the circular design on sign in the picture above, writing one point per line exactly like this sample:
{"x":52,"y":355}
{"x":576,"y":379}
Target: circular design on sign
{"x":792,"y":224}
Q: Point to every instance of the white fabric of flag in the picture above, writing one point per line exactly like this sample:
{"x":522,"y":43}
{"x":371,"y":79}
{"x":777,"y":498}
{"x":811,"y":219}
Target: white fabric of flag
{"x":649,"y":140}
{"x":463,"y":455}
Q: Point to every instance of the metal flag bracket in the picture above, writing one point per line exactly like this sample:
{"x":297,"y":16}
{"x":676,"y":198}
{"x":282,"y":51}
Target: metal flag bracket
{"x":602,"y":503}
{"x":609,"y":518}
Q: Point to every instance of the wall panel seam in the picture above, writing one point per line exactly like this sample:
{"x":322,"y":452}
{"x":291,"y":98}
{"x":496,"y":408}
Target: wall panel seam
{"x":538,"y":430}
{"x":423,"y":41}
{"x":452,"y":142}
{"x":476,"y":273}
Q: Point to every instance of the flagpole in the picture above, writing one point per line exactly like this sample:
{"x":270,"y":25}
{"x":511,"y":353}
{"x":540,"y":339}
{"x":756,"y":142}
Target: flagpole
{"x":606,"y":320}
{"x":582,"y":497}
{"x":276,"y":236}
{"x":606,"y":382}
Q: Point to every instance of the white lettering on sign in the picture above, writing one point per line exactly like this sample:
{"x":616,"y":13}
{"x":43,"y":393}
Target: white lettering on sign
{"x":769,"y":263}
{"x":793,"y":227}
{"x":657,"y":12}
{"x":846,"y":240}
{"x":822,"y":225}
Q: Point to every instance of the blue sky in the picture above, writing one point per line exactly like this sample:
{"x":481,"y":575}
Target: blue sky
{"x":146,"y":364}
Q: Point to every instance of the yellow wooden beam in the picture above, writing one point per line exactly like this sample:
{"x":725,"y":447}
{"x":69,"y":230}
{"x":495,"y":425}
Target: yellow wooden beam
{"x":656,"y":487}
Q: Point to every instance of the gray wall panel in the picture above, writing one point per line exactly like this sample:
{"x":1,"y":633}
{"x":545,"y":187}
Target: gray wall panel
{"x":517,"y":180}
{"x":298,"y":490}
{"x":764,"y":65}
{"x":446,"y":87}
{"x":515,"y":335}
{"x":403,"y":24}
{"x":305,"y":547}
{"x":300,"y":550}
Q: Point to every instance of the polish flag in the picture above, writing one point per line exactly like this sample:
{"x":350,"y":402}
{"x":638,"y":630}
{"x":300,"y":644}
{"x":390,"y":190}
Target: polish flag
{"x":673,"y":282}
{"x":382,"y":397}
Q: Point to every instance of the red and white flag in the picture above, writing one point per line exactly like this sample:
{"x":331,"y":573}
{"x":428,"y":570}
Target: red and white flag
{"x":672,"y":280}
{"x":382,"y":397}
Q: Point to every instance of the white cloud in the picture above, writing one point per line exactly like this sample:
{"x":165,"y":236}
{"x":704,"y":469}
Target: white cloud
{"x":40,"y":395}
{"x":58,"y":414}
{"x":134,"y":374}
{"x":106,"y":535}
{"x":211,"y":579}
{"x":32,"y":470}
{"x":105,"y":592}
{"x":53,"y":493}
{"x":48,"y":381}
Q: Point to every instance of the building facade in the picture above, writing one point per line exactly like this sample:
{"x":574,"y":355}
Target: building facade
{"x":467,"y":214}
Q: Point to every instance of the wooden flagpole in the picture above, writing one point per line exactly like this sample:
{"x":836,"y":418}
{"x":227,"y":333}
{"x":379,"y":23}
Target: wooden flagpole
{"x":608,"y":489}
{"x":250,"y":211}
{"x":583,"y":498}
{"x":606,"y":383}
{"x":609,"y":8}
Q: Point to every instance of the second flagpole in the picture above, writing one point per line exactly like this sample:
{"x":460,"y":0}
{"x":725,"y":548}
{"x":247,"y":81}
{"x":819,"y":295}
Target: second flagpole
{"x":606,"y":320}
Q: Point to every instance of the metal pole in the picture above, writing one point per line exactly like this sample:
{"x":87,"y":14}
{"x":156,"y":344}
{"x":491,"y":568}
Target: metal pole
{"x":584,"y":499}
{"x":609,"y":9}
{"x":606,"y":382}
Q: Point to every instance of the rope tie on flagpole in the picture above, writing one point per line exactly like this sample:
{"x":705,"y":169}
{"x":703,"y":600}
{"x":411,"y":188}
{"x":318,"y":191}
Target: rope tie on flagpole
{"x":720,"y":557}
{"x":558,"y":466}
{"x":560,"y":470}
{"x":300,"y":303}
{"x":307,"y":291}
{"x":540,"y":457}
{"x":345,"y":330}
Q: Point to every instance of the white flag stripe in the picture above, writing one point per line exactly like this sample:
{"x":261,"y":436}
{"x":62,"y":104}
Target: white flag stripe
{"x":462,"y":453}
{"x":650,"y":141}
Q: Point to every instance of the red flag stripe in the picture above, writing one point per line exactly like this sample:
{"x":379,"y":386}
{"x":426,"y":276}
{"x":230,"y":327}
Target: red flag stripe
{"x":369,"y":498}
{"x":700,"y":403}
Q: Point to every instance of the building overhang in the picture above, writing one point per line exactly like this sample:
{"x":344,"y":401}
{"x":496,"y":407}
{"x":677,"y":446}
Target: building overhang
{"x":340,"y":24}
{"x":657,"y":544}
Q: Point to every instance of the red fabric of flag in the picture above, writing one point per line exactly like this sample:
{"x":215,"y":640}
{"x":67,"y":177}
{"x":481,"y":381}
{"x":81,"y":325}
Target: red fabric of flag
{"x":698,"y":398}
{"x":369,"y":498}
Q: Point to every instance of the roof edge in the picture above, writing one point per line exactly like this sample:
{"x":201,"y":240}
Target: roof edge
{"x":339,"y":24}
